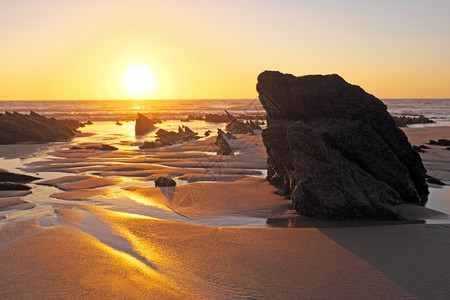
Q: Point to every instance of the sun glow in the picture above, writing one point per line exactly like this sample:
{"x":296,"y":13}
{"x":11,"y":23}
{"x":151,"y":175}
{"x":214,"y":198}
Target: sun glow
{"x":138,"y":81}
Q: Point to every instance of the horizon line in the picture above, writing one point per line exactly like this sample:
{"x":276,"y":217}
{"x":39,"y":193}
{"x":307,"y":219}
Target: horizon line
{"x":198,"y":99}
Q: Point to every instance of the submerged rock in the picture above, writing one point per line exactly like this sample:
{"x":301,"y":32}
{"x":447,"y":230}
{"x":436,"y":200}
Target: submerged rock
{"x":335,"y":150}
{"x":151,"y":145}
{"x":15,"y":127}
{"x":165,"y":182}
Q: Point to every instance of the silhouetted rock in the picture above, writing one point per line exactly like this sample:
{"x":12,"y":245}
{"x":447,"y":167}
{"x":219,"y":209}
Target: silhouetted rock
{"x":207,"y":133}
{"x":9,"y":186}
{"x":221,"y":141}
{"x":144,"y":125}
{"x":335,"y":150}
{"x":118,"y":123}
{"x":183,"y":134}
{"x":15,"y":127}
{"x":215,"y":118}
{"x":434,"y":180}
{"x":440,"y":142}
{"x":13,"y":177}
{"x":403,"y":121}
{"x":418,"y":149}
{"x":165,"y":182}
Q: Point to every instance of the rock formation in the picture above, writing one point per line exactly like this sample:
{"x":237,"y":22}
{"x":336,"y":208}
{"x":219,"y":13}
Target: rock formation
{"x":13,"y":181}
{"x":335,"y":150}
{"x":144,"y":125}
{"x":15,"y":127}
{"x":221,"y":141}
{"x":165,"y":182}
{"x":183,"y":134}
{"x":403,"y":121}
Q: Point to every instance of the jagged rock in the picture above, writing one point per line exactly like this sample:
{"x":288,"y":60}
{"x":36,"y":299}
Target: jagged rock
{"x":194,"y":117}
{"x":253,"y":125}
{"x":221,"y":141}
{"x":207,"y":133}
{"x":418,"y":149}
{"x":434,"y":180}
{"x":424,"y":147}
{"x":440,"y":142}
{"x":403,"y":121}
{"x":144,"y":125}
{"x":183,"y":134}
{"x":165,"y":182}
{"x":118,"y":123}
{"x":335,"y":150}
{"x":15,"y":127}
{"x":238,"y":127}
{"x":215,"y":118}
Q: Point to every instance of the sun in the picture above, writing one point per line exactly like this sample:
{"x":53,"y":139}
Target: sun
{"x":138,"y":80}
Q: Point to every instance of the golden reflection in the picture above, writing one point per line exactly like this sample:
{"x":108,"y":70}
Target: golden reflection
{"x":148,"y":201}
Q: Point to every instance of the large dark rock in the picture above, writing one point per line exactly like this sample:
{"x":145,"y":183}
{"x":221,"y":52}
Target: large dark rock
{"x":15,"y":127}
{"x":144,"y":125}
{"x":335,"y":150}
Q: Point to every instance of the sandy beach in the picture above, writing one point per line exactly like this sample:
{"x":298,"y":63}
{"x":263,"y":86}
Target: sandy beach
{"x":107,"y":232}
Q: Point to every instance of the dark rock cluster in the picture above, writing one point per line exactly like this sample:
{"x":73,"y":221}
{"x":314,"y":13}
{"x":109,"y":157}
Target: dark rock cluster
{"x":335,"y":150}
{"x":403,"y":121}
{"x":13,"y":181}
{"x":15,"y":128}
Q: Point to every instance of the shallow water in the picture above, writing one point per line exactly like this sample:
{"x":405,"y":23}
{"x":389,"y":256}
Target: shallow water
{"x":123,"y":137}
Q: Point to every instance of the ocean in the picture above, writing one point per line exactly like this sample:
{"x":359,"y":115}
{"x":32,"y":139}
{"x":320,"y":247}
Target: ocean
{"x":125,"y":110}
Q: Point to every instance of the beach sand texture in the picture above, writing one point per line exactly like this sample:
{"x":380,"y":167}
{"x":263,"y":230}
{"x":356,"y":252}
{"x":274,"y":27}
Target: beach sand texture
{"x":111,"y":234}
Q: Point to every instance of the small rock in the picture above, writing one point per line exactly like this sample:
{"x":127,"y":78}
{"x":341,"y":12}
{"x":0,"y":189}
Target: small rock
{"x":433,"y":180}
{"x":150,"y":145}
{"x":418,"y":149}
{"x":165,"y":182}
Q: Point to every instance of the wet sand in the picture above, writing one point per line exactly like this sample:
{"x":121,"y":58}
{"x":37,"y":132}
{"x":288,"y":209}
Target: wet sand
{"x":108,"y":236}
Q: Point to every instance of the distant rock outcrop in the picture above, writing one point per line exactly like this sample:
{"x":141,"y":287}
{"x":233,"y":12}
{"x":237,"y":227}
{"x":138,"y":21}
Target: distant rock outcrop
{"x":403,"y":121}
{"x":15,"y":127}
{"x":144,"y":125}
{"x":335,"y":150}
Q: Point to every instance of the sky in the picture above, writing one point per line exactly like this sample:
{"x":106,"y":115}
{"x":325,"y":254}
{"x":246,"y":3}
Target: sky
{"x":198,"y":49}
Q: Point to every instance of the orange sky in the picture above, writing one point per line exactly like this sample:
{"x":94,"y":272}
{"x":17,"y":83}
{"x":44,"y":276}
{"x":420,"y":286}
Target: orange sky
{"x":58,"y":49}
